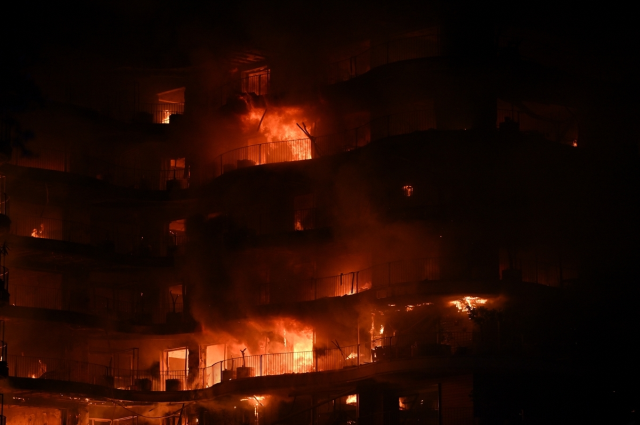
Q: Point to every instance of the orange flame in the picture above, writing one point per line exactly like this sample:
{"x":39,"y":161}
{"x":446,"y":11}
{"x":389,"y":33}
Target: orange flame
{"x":280,"y":124}
{"x":352,"y":399}
{"x":466,"y":303}
{"x":35,"y":233}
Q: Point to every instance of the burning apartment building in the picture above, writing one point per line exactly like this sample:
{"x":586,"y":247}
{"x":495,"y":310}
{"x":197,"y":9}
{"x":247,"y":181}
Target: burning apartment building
{"x":385,"y":228}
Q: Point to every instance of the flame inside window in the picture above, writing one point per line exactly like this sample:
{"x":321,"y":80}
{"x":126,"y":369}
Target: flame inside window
{"x":408,"y":190}
{"x":352,"y":399}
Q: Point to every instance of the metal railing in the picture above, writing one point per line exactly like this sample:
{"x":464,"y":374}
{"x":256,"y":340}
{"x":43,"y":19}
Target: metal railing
{"x":131,"y":175}
{"x":408,"y":48}
{"x":36,"y":297}
{"x":122,"y":238}
{"x":258,"y":84}
{"x":119,"y":305}
{"x":265,"y":153}
{"x":179,"y":380}
{"x":51,"y":228}
{"x":160,"y":113}
{"x":60,"y":370}
{"x":534,"y":270}
{"x":320,"y":360}
{"x":46,"y":159}
{"x":424,"y":344}
{"x":279,"y":364}
{"x":380,"y":275}
{"x":303,"y":149}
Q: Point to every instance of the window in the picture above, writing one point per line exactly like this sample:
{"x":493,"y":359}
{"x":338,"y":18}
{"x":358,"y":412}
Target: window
{"x":170,"y":102}
{"x":175,"y":292}
{"x":304,"y":214}
{"x":177,"y":233}
{"x":256,"y":81}
{"x":177,"y":173}
{"x":176,"y":368}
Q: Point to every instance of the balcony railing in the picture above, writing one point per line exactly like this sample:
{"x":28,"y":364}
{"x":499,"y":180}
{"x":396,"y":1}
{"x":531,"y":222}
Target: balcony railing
{"x":378,"y":276}
{"x":535,"y":270}
{"x":417,"y":47}
{"x":59,"y":370}
{"x":121,"y":238}
{"x":320,"y":360}
{"x":160,"y":113}
{"x":103,"y":302}
{"x":36,"y":297}
{"x":303,"y":149}
{"x":118,"y":174}
{"x":424,"y":344}
{"x":51,"y":228}
{"x":258,"y":84}
{"x":45,"y":159}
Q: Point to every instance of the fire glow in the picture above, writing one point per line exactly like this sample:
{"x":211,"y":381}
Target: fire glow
{"x":35,"y":233}
{"x":279,"y":124}
{"x":468,"y":303}
{"x":352,"y":399}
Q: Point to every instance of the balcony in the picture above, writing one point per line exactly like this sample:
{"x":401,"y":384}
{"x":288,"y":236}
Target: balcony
{"x":129,"y":175}
{"x":349,"y":358}
{"x":118,"y":238}
{"x":401,"y":49}
{"x":127,"y":305}
{"x":379,"y":276}
{"x":304,"y":149}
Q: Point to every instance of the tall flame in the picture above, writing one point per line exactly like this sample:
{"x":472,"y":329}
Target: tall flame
{"x":276,"y":124}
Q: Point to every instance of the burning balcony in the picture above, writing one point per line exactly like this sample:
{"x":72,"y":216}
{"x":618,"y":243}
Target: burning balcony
{"x":280,"y":149}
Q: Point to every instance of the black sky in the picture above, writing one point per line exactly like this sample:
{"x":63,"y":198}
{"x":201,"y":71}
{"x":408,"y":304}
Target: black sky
{"x":166,"y":33}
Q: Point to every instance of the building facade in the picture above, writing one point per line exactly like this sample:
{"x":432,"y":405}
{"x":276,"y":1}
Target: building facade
{"x":384,"y":240}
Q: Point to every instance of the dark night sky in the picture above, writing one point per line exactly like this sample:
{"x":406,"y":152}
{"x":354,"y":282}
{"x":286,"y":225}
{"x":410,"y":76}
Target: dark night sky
{"x":591,"y":39}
